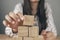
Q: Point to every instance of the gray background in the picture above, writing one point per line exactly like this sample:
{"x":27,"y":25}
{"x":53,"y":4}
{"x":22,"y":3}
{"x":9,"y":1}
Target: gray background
{"x":8,"y":5}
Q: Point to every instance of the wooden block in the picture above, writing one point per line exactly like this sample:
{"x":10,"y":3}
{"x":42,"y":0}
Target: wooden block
{"x":27,"y":38}
{"x":28,"y":20}
{"x":40,"y":37}
{"x":33,"y":31}
{"x":19,"y":38}
{"x":13,"y":38}
{"x":22,"y":31}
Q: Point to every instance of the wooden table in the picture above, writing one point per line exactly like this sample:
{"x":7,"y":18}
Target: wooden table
{"x":3,"y":37}
{"x":58,"y":38}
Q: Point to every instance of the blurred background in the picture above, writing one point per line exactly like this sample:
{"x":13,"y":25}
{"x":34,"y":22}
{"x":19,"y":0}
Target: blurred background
{"x":8,"y":5}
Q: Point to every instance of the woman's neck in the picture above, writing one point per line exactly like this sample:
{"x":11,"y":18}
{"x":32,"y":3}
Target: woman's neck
{"x":34,"y":7}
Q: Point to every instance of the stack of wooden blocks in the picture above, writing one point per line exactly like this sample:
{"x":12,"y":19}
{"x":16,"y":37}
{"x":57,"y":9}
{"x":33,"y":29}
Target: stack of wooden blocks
{"x":28,"y":31}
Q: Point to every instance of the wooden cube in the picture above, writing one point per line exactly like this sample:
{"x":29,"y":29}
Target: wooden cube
{"x":22,"y":31}
{"x":33,"y":31}
{"x":19,"y":38}
{"x":12,"y":38}
{"x":40,"y":37}
{"x":27,"y":38}
{"x":28,"y":20}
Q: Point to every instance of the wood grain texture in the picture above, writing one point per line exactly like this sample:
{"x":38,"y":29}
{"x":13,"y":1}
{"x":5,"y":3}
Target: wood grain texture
{"x":28,"y":20}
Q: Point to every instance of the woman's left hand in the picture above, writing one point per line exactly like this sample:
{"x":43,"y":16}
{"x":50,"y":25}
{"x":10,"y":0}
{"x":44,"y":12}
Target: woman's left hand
{"x":50,"y":36}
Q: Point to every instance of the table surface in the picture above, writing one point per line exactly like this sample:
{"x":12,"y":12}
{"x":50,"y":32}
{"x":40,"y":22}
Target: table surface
{"x":2,"y":36}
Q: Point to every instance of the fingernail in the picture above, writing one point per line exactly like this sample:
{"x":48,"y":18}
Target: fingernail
{"x":8,"y":25}
{"x":9,"y":21}
{"x":13,"y":22}
{"x":18,"y":20}
{"x":22,"y":18}
{"x":14,"y":30}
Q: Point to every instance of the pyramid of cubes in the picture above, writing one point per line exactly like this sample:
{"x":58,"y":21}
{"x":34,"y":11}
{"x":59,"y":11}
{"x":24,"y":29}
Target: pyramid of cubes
{"x":28,"y":31}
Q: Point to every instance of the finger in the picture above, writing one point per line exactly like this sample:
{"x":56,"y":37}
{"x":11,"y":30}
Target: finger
{"x":14,"y":16}
{"x":15,"y":30}
{"x":20,"y":16}
{"x":8,"y":18}
{"x":6,"y":23}
{"x":49,"y":34}
{"x":43,"y":32}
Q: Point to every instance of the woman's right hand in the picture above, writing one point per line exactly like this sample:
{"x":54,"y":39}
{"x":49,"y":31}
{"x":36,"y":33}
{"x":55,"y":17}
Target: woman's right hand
{"x":13,"y":20}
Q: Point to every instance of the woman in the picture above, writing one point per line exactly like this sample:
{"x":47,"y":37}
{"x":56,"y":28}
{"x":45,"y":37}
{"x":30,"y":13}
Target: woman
{"x":43,"y":17}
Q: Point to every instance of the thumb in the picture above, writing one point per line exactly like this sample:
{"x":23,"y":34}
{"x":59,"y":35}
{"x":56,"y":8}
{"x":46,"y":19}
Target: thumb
{"x":44,"y":32}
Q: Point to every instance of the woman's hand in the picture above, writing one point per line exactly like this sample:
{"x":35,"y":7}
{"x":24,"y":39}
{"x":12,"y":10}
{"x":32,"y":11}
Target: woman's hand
{"x":48,"y":35}
{"x":13,"y":20}
{"x":44,"y":34}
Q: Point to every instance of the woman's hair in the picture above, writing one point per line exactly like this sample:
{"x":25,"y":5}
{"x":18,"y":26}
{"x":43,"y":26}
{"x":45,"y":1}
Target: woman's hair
{"x":27,"y":7}
{"x":40,"y":13}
